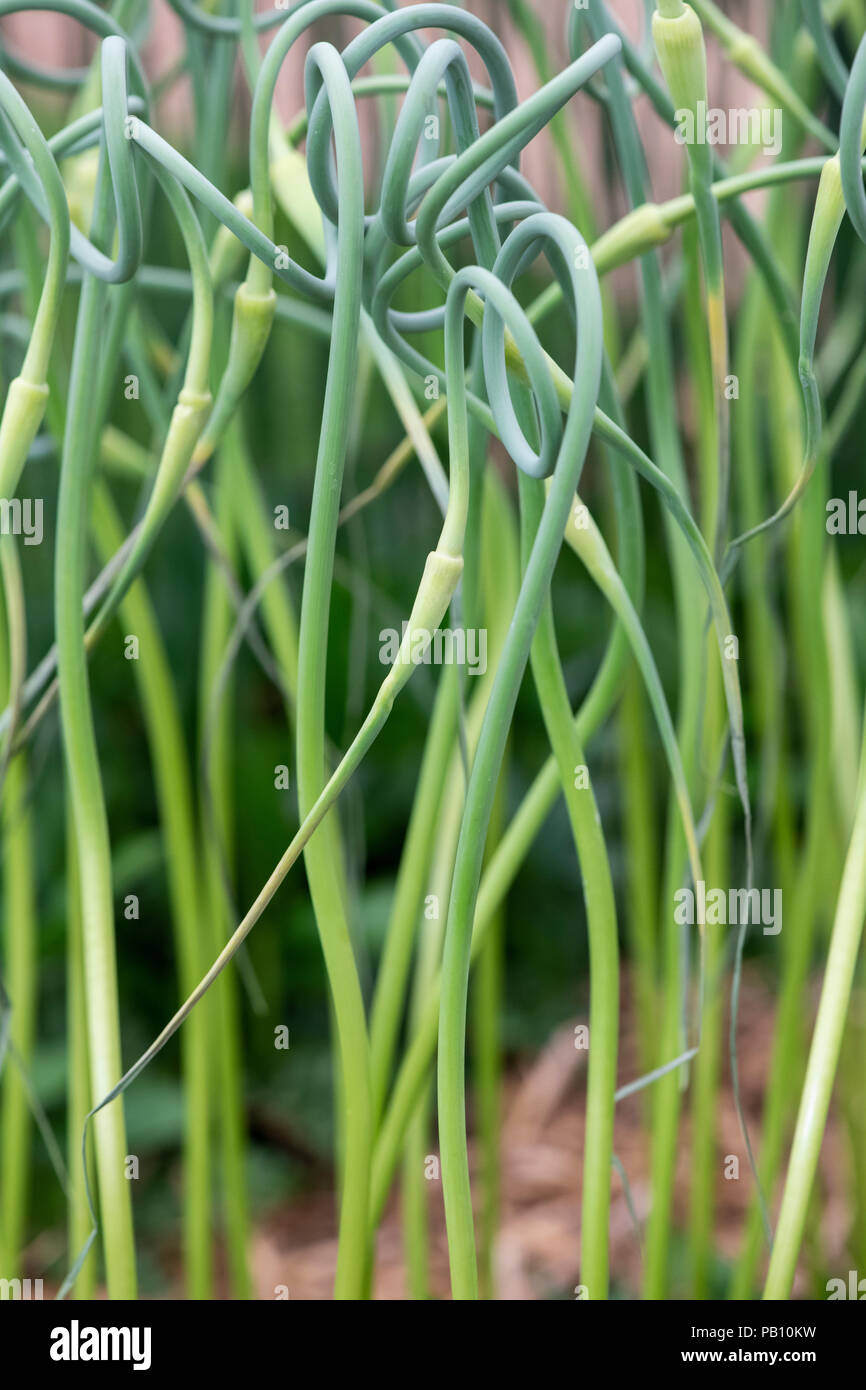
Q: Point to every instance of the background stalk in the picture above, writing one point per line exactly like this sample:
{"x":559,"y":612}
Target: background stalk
{"x":20,"y":980}
{"x":823,"y":1056}
{"x":162,"y":719}
{"x":705,"y":1164}
{"x":78,"y":1076}
{"x":217,"y":831}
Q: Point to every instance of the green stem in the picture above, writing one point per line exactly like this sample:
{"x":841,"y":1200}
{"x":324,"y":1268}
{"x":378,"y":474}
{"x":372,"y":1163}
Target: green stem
{"x":217,"y":839}
{"x":640,"y":837}
{"x":482,"y":783}
{"x":390,"y":992}
{"x":489,"y":1000}
{"x":85,"y":786}
{"x":79,"y":1219}
{"x":601,"y":927}
{"x":323,"y":851}
{"x":165,"y":734}
{"x":20,"y":937}
{"x":823,"y":1055}
{"x":704,"y":1159}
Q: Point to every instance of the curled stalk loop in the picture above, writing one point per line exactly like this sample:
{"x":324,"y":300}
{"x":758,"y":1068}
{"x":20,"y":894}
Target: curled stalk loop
{"x":566,"y":247}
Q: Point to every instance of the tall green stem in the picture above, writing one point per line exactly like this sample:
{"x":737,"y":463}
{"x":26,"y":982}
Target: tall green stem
{"x":322,"y":852}
{"x":217,"y":839}
{"x":164,"y":726}
{"x":20,"y":938}
{"x":823,"y":1055}
{"x":85,"y":785}
{"x":79,"y":1220}
{"x":601,"y":927}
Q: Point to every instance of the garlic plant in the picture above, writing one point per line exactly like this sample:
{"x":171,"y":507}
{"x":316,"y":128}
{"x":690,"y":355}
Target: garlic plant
{"x":400,"y":181}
